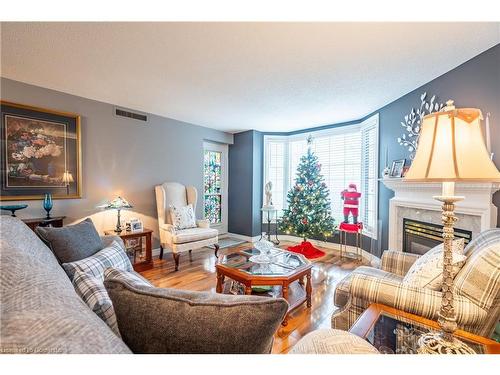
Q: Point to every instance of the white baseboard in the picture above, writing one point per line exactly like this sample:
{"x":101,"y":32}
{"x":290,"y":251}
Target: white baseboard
{"x":156,"y":252}
{"x":243,"y":238}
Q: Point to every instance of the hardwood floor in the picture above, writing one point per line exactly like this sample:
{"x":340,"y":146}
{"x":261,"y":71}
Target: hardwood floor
{"x":199,"y":274}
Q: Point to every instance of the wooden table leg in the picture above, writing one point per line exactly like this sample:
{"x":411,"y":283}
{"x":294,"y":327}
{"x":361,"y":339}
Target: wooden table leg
{"x":284,"y":293}
{"x":301,"y":281}
{"x":308,"y":289}
{"x":149,"y":250}
{"x":220,"y":282}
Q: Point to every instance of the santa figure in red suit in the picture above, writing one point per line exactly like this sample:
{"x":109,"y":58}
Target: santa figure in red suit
{"x":351,"y":203}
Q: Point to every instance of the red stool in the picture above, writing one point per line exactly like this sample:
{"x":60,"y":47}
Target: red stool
{"x":356,"y":229}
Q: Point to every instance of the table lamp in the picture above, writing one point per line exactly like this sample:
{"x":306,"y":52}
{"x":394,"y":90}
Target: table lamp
{"x":67,"y":179}
{"x":451,"y":148}
{"x":117,"y":204}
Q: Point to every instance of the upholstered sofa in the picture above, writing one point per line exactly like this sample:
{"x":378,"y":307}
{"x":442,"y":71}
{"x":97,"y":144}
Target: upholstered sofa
{"x":476,"y":291}
{"x":40,"y":312}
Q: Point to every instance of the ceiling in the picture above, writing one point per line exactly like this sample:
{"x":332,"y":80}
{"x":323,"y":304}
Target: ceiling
{"x":240,"y":76}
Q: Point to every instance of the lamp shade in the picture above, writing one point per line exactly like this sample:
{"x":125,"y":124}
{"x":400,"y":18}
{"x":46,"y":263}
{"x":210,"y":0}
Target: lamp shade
{"x":451,"y":148}
{"x":118,"y":203}
{"x":67,"y":177}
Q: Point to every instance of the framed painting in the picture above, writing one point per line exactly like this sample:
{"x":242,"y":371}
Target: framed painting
{"x":40,"y":153}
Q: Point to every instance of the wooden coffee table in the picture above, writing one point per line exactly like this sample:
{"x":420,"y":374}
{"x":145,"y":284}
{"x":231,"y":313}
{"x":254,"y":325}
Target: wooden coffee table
{"x":287,"y":270}
{"x":395,"y":331}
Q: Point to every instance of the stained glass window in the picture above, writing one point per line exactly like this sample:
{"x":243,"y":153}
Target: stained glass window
{"x":212,"y":173}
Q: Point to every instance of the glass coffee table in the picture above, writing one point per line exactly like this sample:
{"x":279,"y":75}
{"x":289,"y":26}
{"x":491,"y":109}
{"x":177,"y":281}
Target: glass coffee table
{"x":394,"y":331}
{"x":287,"y":270}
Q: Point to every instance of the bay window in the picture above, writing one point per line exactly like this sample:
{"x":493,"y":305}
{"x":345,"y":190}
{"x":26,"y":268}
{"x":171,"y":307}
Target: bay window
{"x":347,"y":154}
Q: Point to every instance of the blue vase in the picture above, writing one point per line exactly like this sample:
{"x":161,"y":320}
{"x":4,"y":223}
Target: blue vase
{"x":47,"y":204}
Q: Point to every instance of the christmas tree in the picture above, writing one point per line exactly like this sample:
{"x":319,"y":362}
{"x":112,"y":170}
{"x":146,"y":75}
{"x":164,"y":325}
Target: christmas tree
{"x":308,"y":214}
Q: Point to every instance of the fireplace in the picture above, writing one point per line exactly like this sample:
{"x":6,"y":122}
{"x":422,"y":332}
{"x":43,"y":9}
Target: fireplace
{"x":414,"y":200}
{"x":419,"y":236}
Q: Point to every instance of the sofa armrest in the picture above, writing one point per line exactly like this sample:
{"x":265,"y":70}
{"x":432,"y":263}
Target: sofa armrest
{"x":203,"y":223}
{"x":397,"y":262}
{"x":420,"y":301}
{"x":108,"y":240}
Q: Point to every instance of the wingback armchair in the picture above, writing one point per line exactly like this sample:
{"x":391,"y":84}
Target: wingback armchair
{"x":175,"y":240}
{"x":476,"y":288}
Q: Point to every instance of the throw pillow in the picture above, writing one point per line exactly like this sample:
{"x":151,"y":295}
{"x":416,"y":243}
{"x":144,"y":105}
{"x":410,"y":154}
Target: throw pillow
{"x":427,"y":271}
{"x":92,"y":291}
{"x":111,"y":256}
{"x":183,"y":217}
{"x":72,"y":242}
{"x":479,"y":279}
{"x":193,"y":322}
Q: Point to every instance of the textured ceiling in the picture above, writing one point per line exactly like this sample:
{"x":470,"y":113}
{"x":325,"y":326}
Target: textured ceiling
{"x":239,"y":76}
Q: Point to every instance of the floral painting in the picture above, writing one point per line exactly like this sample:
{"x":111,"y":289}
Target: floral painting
{"x":35,"y":152}
{"x":40,"y":153}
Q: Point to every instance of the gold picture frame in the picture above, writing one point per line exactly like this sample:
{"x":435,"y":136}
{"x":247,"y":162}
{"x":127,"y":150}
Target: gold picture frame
{"x":30,"y":133}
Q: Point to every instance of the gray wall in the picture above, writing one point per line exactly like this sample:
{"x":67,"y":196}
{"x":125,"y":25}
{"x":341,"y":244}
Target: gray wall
{"x":476,"y":83}
{"x":245,"y":177}
{"x":121,"y":156}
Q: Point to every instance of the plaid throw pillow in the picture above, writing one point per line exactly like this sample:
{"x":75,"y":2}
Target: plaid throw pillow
{"x":92,"y":291}
{"x":111,"y":256}
{"x":129,"y":277}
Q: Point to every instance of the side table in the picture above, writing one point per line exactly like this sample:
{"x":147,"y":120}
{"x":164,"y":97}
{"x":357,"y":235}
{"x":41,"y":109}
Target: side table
{"x":133,"y":242}
{"x":56,"y":221}
{"x":356,"y":229}
{"x":271,"y":212}
{"x":393,"y":331}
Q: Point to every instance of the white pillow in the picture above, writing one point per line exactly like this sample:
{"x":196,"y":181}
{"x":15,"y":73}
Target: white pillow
{"x":427,"y":271}
{"x":183,"y":217}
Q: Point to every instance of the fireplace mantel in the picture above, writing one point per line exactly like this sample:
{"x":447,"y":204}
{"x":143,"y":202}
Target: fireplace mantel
{"x":475,"y":213}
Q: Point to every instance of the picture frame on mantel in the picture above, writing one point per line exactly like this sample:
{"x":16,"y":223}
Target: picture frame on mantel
{"x":40,"y":149}
{"x":397,"y":168}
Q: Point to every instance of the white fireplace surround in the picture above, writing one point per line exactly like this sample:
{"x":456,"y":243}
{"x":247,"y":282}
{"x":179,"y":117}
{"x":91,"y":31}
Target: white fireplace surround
{"x":413,"y":200}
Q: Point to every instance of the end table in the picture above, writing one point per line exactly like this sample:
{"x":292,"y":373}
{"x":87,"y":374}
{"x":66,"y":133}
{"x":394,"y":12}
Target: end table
{"x":271,"y":212}
{"x":133,"y":242}
{"x":356,"y":229}
{"x":395,"y":331}
{"x":56,"y":222}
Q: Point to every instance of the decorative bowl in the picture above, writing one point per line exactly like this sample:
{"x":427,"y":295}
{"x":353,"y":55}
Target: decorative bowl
{"x":13,"y":208}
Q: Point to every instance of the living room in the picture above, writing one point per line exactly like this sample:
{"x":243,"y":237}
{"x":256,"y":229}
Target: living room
{"x":250,"y":188}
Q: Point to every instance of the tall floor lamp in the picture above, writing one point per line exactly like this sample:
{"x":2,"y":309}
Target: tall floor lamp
{"x":451,"y":148}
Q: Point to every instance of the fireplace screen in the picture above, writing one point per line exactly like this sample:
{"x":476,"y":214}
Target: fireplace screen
{"x":419,"y":237}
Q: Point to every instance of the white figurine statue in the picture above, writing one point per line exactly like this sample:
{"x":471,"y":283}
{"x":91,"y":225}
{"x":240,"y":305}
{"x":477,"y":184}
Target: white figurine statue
{"x":269,"y":195}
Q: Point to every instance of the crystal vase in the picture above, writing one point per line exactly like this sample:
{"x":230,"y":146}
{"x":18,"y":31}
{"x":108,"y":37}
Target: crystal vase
{"x":47,"y":204}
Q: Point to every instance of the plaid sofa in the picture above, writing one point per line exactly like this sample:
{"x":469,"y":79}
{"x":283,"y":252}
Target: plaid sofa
{"x":476,"y":288}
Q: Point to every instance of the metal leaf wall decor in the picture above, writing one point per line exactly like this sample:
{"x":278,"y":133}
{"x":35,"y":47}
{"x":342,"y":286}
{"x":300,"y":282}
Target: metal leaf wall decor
{"x":412,"y":122}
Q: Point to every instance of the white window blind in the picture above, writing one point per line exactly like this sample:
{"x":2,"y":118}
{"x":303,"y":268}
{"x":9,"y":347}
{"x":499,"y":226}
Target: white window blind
{"x":369,"y":175}
{"x":347,"y":155}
